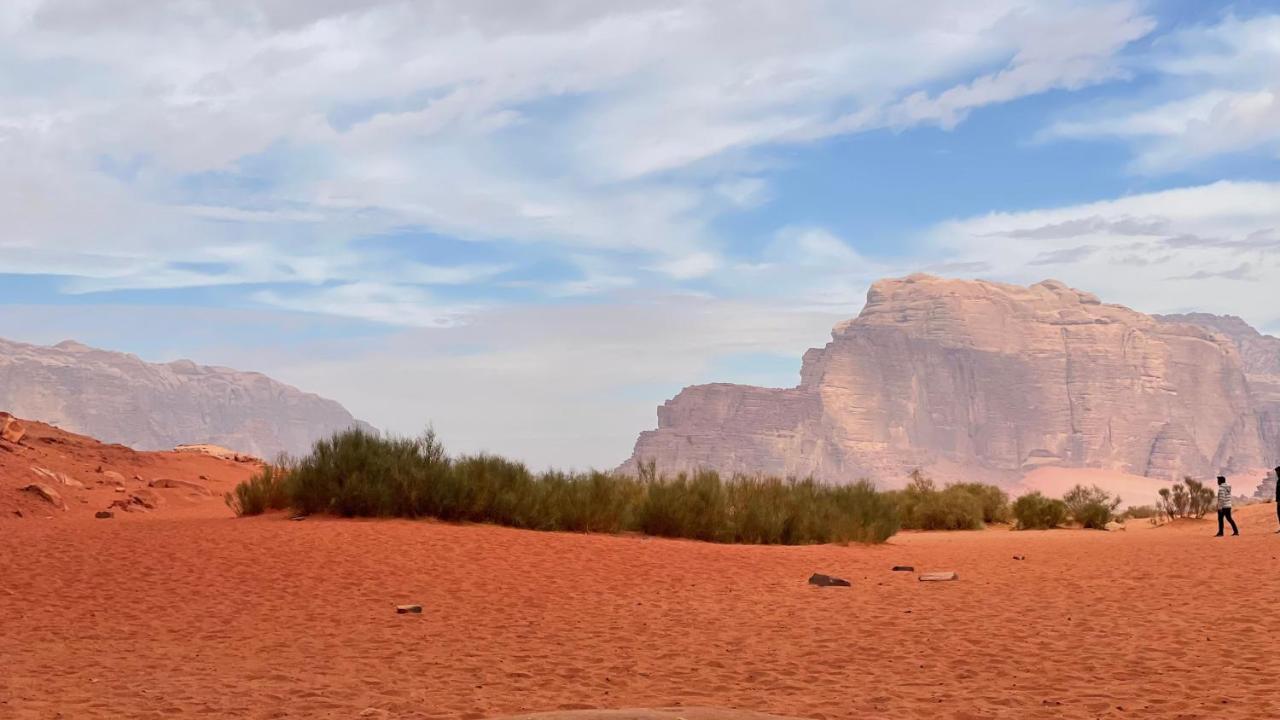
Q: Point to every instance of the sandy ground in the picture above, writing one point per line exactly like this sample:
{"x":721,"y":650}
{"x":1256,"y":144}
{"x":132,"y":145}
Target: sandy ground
{"x":268,"y":618}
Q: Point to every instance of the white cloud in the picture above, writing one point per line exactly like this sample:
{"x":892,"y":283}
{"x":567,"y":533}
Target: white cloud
{"x":1219,"y":95}
{"x":280,"y":131}
{"x":1212,"y":248}
{"x":388,"y":304}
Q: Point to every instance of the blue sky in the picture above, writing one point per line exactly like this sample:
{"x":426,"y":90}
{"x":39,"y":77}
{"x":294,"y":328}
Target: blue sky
{"x":530,"y":223}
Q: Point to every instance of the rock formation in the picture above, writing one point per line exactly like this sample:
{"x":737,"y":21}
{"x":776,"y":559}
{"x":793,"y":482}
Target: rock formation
{"x":121,"y":399}
{"x":1260,"y":356}
{"x":981,"y":380}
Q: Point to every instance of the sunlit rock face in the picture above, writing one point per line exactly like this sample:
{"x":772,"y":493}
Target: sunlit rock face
{"x":119,"y":398}
{"x":981,"y":380}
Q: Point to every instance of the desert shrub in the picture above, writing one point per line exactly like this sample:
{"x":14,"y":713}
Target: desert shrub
{"x":994,"y":501}
{"x":266,"y":490}
{"x":1034,"y":511}
{"x":359,"y":473}
{"x":1141,"y":512}
{"x":1200,"y":498}
{"x":356,"y":473}
{"x":1092,"y":507}
{"x":966,"y":506}
{"x":1187,"y":499}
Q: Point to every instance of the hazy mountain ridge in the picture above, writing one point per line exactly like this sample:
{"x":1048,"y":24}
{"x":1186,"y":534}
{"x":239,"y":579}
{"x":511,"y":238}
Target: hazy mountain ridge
{"x":118,"y":397}
{"x":982,"y":380}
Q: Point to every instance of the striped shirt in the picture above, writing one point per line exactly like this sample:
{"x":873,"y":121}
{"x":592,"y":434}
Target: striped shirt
{"x":1224,"y":496}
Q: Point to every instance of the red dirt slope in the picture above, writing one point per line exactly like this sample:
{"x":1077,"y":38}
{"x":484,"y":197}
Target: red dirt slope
{"x":51,"y":473}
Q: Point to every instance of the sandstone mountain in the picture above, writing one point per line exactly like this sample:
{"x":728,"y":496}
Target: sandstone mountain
{"x":119,"y":398}
{"x":981,"y":380}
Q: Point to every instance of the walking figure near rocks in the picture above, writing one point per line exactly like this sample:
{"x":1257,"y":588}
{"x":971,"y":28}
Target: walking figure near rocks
{"x":1224,"y":507}
{"x":1278,"y":496}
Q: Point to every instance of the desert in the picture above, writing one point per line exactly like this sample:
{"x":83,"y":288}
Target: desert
{"x":182,"y":609}
{"x":271,"y":618}
{"x":639,"y":360}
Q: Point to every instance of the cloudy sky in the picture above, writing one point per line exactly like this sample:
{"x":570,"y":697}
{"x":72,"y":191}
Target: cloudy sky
{"x":529,"y":223}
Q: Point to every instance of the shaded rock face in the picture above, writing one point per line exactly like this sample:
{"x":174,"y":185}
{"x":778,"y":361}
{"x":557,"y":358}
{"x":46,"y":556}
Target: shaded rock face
{"x":1260,"y":357}
{"x":121,"y":399}
{"x":980,"y":380}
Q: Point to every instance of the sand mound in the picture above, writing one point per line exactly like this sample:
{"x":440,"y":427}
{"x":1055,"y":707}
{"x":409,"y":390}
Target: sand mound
{"x":88,"y":476}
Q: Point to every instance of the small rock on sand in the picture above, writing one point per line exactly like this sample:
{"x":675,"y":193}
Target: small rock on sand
{"x":827,"y":581}
{"x":903,"y":568}
{"x":939,"y":576}
{"x":407,"y":609}
{"x":179,"y":485}
{"x":46,"y":493}
{"x":104,"y":514}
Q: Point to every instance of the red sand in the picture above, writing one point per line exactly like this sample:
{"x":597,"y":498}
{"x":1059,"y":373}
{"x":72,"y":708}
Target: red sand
{"x":267,"y":618}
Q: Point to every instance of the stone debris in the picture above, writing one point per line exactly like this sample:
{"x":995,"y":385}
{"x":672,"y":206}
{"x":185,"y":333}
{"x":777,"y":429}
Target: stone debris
{"x":939,"y":576}
{"x":179,"y":485}
{"x":46,"y":493}
{"x":11,"y":430}
{"x":409,"y":609}
{"x":60,"y":478}
{"x":828,"y":581}
{"x":104,"y":514}
{"x":903,"y":568}
{"x":1019,"y":557}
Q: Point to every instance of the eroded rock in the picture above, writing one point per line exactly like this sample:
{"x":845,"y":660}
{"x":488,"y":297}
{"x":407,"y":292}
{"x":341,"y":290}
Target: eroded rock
{"x":975,"y":379}
{"x":11,"y":429}
{"x":46,"y":493}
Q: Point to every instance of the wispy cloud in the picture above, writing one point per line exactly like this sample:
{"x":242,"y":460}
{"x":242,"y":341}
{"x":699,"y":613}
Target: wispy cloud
{"x":1219,"y":94}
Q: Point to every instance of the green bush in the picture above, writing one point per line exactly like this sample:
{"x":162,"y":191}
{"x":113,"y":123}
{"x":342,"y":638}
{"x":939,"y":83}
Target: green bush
{"x":1141,"y":512}
{"x":1034,"y":511}
{"x":994,"y":501}
{"x":356,"y":473}
{"x":963,"y":506}
{"x":266,"y":490}
{"x":1092,"y":507}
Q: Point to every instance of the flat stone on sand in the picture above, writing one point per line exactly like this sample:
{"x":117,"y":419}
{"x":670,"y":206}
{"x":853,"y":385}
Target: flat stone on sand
{"x":405,"y":609}
{"x":827,"y":581}
{"x":939,"y":576}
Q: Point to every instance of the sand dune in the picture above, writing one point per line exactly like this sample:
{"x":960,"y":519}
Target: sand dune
{"x":267,"y":618}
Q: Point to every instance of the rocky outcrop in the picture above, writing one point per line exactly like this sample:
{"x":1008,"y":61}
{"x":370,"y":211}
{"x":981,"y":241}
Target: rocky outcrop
{"x":121,"y":399}
{"x":981,"y":380}
{"x":11,"y":429}
{"x":1260,"y":358}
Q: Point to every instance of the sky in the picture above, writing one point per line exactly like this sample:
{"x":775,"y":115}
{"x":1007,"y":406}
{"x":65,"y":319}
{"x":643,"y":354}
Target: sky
{"x":527,"y":224}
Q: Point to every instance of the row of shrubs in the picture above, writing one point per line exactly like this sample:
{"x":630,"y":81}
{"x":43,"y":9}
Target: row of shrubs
{"x":360,"y":474}
{"x":356,"y":473}
{"x":970,"y":506}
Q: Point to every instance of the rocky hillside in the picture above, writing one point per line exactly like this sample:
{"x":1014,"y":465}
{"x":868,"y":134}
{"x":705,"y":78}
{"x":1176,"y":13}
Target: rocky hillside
{"x":121,"y":399}
{"x":46,"y":472}
{"x":980,"y":380}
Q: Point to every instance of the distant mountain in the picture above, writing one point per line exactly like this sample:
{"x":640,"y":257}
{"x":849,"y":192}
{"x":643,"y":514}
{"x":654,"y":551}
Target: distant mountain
{"x":982,"y":380}
{"x":119,"y":398}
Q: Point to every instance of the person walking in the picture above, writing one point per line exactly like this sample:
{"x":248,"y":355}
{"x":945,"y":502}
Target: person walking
{"x":1278,"y":495}
{"x":1224,"y":507}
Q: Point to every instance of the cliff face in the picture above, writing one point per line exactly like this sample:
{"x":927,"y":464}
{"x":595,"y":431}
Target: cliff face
{"x":973,"y":379}
{"x":1260,"y":357}
{"x":121,"y":399}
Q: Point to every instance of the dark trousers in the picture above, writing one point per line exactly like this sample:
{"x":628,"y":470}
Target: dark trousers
{"x":1225,"y":513}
